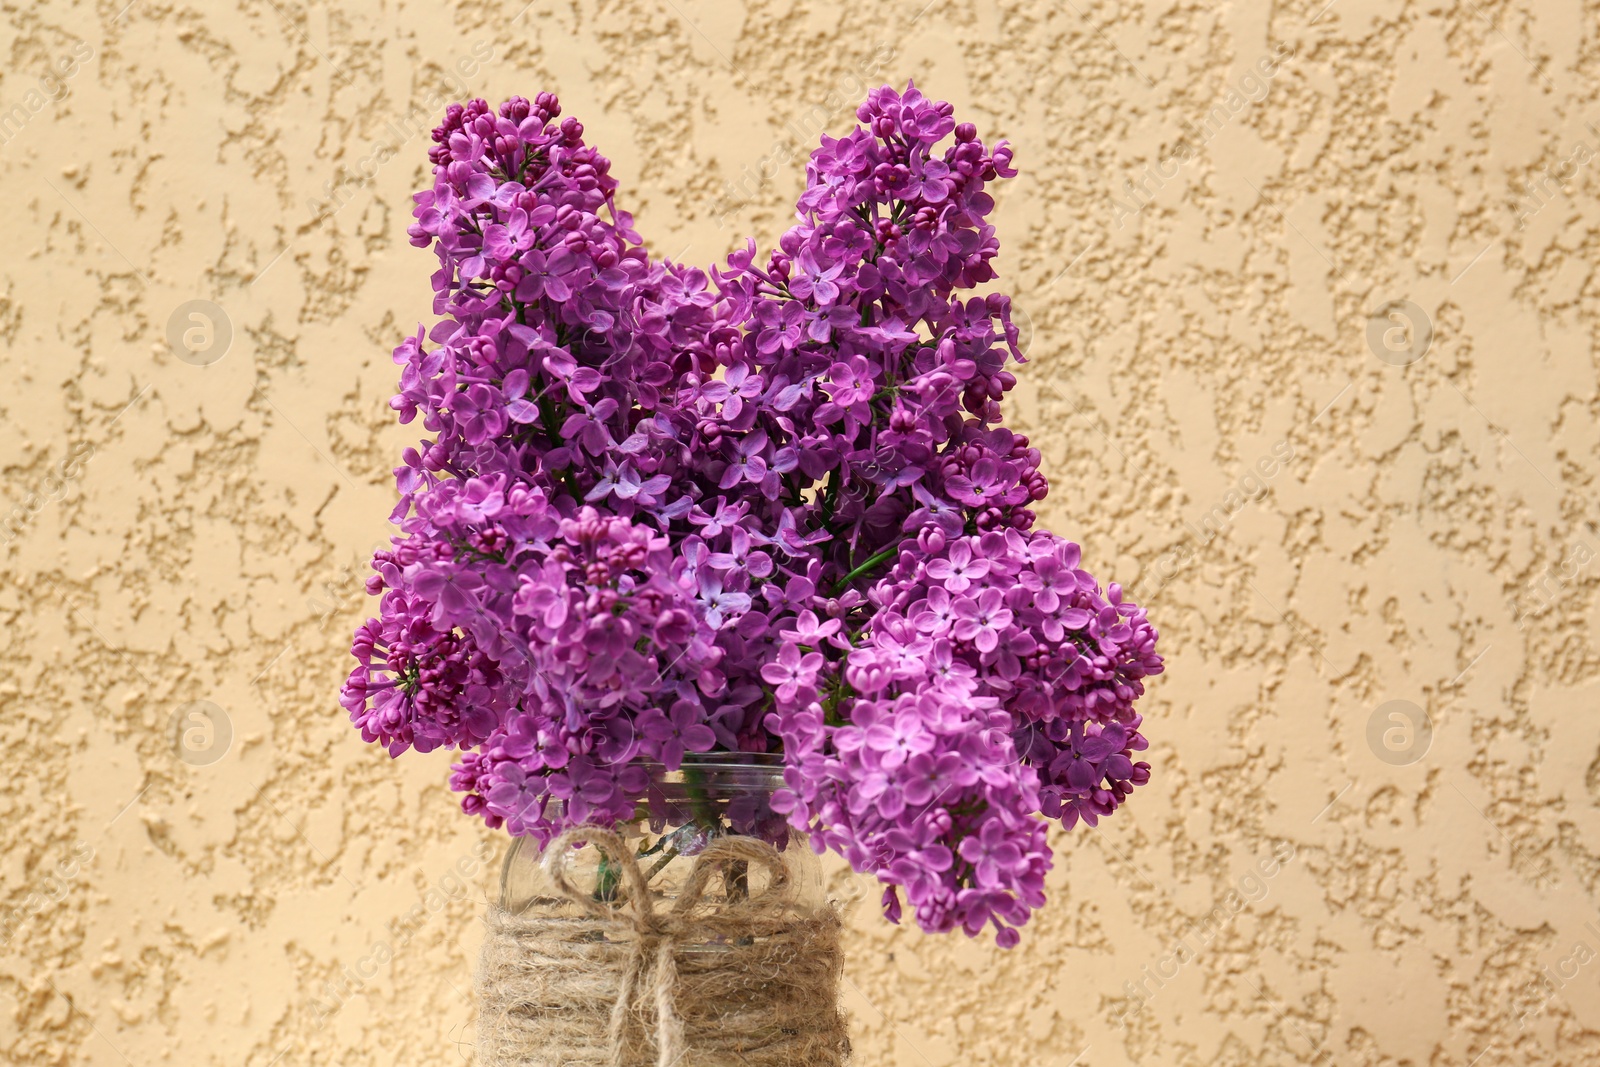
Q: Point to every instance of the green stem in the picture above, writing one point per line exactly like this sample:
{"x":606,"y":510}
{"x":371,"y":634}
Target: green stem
{"x":830,"y":497}
{"x":736,"y":878}
{"x":606,"y":880}
{"x":872,"y":562}
{"x":694,"y":783}
{"x":666,"y":858}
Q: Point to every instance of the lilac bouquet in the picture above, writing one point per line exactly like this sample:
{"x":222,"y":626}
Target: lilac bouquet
{"x":771,"y":509}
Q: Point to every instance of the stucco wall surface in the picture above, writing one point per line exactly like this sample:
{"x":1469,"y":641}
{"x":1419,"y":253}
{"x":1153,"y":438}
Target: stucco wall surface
{"x":1312,"y":305}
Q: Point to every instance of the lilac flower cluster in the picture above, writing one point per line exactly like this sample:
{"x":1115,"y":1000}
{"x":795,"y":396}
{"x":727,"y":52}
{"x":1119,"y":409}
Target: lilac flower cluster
{"x":992,"y":680}
{"x":768,"y":509}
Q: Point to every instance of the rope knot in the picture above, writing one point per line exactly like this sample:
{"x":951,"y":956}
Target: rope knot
{"x":652,"y":972}
{"x":655,"y":926}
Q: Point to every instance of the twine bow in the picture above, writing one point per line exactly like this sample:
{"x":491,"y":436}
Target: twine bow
{"x":651,"y":972}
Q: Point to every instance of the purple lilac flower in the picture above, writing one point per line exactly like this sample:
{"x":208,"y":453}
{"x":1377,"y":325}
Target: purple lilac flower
{"x":769,"y":507}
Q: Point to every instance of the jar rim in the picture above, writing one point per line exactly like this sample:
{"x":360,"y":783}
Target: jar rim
{"x":730,"y":760}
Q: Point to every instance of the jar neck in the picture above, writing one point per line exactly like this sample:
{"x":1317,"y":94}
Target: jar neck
{"x":717,"y":792}
{"x":681,"y":811}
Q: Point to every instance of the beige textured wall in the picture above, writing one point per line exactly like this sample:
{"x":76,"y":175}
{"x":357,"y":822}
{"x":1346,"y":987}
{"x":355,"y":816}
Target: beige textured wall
{"x":193,"y":533}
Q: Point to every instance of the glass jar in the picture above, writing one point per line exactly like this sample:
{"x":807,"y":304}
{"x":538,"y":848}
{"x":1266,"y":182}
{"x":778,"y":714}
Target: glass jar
{"x":712,"y":795}
{"x":699,"y":933}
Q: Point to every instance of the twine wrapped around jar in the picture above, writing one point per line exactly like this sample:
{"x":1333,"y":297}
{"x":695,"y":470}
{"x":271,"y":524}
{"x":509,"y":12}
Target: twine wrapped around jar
{"x":751,"y":982}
